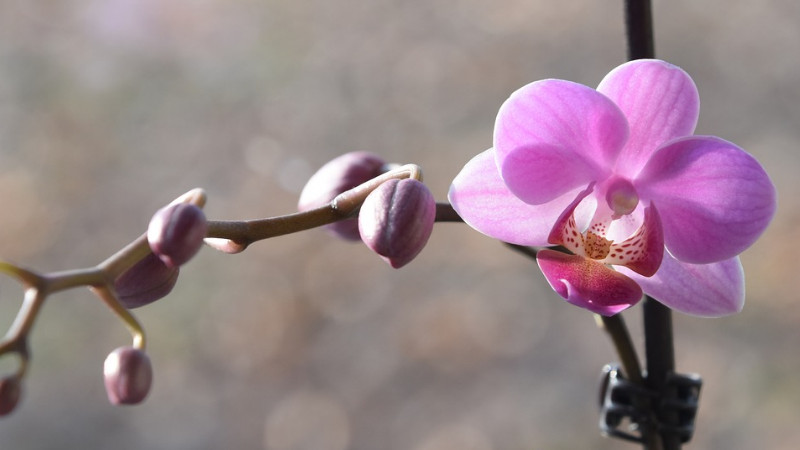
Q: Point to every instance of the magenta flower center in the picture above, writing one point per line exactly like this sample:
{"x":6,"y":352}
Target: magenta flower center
{"x":642,"y":251}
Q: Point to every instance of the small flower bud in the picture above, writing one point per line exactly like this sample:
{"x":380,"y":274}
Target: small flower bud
{"x":339,"y":175}
{"x":397,"y":219}
{"x":10,"y":391}
{"x":147,"y":281}
{"x":176,"y":233}
{"x":128,"y":375}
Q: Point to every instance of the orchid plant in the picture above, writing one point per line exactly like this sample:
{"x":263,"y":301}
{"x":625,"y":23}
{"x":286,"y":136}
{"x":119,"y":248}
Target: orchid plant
{"x":607,"y":188}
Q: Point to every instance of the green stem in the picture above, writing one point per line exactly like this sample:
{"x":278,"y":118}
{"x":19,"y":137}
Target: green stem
{"x":59,"y":281}
{"x":245,"y":232}
{"x":16,"y":337}
{"x":137,"y":332}
{"x":618,"y":331}
{"x":125,"y":258}
{"x":235,"y":236}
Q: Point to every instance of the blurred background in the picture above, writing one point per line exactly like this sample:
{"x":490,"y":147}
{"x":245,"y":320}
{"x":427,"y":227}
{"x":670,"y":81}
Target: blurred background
{"x":111,"y":108}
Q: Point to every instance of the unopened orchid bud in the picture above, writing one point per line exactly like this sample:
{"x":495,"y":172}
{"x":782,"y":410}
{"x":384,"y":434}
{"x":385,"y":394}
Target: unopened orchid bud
{"x":397,"y":219}
{"x":339,"y":175}
{"x":128,"y":374}
{"x":147,"y":281}
{"x":10,"y":391}
{"x":176,"y":233}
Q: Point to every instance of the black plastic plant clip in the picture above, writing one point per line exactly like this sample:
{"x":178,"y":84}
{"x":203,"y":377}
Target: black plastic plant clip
{"x":627,"y":407}
{"x":681,"y":403}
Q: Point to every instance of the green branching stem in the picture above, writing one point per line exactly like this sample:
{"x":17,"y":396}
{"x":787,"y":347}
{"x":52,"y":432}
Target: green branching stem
{"x":228,"y":236}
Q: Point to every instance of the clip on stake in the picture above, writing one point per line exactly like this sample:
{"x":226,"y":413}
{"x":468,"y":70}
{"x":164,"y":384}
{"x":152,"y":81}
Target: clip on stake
{"x":626,"y":406}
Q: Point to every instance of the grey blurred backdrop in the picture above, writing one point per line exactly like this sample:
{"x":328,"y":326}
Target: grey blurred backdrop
{"x":111,"y":108}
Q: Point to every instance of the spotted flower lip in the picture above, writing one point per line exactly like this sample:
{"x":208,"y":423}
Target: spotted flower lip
{"x":592,"y":170}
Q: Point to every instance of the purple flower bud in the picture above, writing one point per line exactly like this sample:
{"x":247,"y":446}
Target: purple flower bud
{"x":176,"y":233}
{"x":128,"y":375}
{"x":10,"y":391}
{"x":339,"y":175}
{"x":147,"y":281}
{"x":397,"y":219}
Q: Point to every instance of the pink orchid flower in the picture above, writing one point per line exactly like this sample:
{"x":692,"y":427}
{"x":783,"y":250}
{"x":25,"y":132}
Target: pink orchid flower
{"x":616,"y":176}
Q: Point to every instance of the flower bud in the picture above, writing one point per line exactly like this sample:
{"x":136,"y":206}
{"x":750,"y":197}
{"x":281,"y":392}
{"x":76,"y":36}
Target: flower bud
{"x":128,"y":375}
{"x":176,"y":233}
{"x":10,"y":391}
{"x":339,"y":175}
{"x":397,"y":219}
{"x":147,"y":281}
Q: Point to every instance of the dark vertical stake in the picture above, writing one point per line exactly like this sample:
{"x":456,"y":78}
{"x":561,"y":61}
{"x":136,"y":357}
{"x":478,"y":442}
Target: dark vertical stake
{"x":639,"y":29}
{"x":659,"y":350}
{"x":660,"y":354}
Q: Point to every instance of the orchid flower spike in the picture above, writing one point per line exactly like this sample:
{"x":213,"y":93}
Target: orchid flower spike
{"x":616,"y":176}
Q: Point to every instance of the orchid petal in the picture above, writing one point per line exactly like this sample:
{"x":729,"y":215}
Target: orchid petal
{"x":660,"y":102}
{"x":553,"y":136}
{"x":566,"y":231}
{"x":482,"y":199}
{"x":588,"y":283}
{"x":703,"y":290}
{"x":643,"y":251}
{"x":714,"y":198}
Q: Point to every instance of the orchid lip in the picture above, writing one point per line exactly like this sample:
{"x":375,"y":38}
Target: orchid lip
{"x":642,"y":252}
{"x":587,"y":283}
